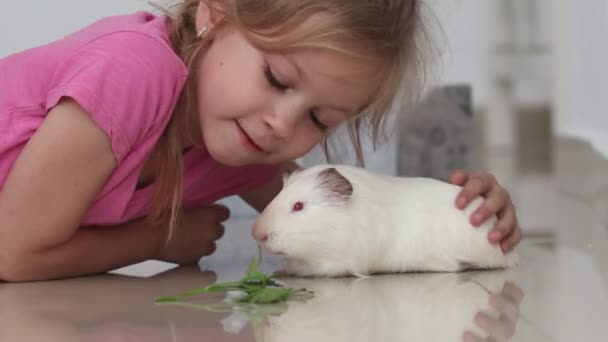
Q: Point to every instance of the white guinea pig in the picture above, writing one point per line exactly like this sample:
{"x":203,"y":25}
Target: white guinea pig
{"x":336,"y":220}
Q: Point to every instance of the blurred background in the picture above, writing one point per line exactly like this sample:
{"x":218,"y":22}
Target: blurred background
{"x":518,"y":82}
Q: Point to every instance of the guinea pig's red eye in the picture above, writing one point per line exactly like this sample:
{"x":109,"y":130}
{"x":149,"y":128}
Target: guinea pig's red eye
{"x":298,"y":206}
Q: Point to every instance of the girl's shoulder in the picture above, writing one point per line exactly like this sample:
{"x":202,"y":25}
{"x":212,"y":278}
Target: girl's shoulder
{"x":123,"y":71}
{"x":143,"y":25}
{"x":114,"y":36}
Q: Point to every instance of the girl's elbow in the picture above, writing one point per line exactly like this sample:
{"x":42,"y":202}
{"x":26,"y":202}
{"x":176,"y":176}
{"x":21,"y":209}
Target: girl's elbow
{"x":15,"y":266}
{"x":10,"y":272}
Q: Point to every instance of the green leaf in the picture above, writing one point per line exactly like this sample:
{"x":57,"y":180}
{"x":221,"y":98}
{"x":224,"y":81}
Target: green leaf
{"x":254,"y":274}
{"x":166,"y":299}
{"x":268,"y":295}
{"x":257,"y":286}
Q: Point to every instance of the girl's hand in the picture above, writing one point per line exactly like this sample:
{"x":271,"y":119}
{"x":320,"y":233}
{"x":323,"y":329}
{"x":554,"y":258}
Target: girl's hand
{"x":497,"y":201}
{"x":502,"y":328}
{"x":194,"y":236}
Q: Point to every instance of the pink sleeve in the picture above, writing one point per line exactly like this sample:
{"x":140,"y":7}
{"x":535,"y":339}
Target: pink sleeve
{"x":128,"y":82}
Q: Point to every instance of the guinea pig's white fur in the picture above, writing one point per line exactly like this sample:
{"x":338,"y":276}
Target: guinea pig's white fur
{"x":354,"y":222}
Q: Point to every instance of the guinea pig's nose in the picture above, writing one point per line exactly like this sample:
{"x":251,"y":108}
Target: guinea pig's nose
{"x":259,"y":234}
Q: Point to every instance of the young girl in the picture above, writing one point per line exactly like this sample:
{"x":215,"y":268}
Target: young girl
{"x":116,"y":140}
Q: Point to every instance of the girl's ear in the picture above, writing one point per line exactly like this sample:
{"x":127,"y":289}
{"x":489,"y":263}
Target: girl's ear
{"x":207,"y":16}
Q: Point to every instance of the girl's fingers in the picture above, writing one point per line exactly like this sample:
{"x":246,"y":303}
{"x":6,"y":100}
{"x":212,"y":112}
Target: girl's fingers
{"x":458,"y":177}
{"x":511,"y":240}
{"x":209,"y":249}
{"x":496,"y":199}
{"x":505,"y":307}
{"x":218,"y":212}
{"x":471,"y":337}
{"x":476,"y":185}
{"x":505,"y":225}
{"x":219,"y":232}
{"x":211,"y":233}
{"x":503,"y":328}
{"x":500,"y":329}
{"x":512,"y":292}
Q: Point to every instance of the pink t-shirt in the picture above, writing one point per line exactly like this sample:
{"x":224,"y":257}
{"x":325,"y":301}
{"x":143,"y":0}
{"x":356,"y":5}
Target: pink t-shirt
{"x":123,"y":71}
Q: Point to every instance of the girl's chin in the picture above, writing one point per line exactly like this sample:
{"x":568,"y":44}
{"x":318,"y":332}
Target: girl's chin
{"x":226,"y":158}
{"x":230,"y":157}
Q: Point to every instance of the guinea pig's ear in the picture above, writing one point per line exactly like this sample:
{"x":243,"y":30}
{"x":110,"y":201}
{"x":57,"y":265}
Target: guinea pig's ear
{"x":335,"y":185}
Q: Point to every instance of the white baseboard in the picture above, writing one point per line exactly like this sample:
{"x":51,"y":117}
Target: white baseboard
{"x":597,"y":139}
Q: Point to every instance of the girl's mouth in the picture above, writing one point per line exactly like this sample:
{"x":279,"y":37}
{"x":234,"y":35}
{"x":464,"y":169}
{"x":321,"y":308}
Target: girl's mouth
{"x":246,"y":139}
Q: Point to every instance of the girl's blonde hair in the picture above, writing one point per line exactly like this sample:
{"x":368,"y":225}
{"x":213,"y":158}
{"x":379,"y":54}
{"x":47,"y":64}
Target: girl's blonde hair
{"x":387,"y":33}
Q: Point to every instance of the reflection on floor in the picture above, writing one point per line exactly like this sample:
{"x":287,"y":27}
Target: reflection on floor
{"x":559,"y":293}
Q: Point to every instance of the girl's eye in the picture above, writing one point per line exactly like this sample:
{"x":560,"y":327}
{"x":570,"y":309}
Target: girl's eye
{"x":315,"y":121}
{"x":273,"y":80}
{"x":298,"y":206}
{"x":282,"y":87}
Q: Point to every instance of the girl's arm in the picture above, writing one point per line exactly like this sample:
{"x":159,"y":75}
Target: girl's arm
{"x":259,"y":198}
{"x":50,"y":187}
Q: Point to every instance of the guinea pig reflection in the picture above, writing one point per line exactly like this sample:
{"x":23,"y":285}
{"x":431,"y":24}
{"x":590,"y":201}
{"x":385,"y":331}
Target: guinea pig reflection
{"x":396,"y":307}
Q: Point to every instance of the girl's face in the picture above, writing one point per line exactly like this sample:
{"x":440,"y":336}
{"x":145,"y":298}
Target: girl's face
{"x":259,"y":108}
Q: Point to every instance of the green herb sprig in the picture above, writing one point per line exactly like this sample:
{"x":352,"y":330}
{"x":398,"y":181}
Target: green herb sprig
{"x":257,"y":287}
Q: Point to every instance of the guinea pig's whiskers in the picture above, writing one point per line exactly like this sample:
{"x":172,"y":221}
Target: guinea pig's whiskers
{"x":310,"y":237}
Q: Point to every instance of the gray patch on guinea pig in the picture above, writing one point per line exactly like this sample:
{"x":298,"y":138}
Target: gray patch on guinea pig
{"x":468,"y":266}
{"x":336,"y":185}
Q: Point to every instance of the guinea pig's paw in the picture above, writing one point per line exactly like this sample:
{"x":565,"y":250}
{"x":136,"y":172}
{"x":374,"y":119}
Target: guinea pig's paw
{"x":285,"y":272}
{"x":296,"y":268}
{"x":512,"y":259}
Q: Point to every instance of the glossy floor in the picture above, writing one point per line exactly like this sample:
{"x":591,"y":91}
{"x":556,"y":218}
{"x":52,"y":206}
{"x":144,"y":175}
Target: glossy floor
{"x":558,"y":293}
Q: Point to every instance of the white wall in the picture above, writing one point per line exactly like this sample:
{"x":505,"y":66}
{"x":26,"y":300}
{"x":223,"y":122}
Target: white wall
{"x":24,"y":24}
{"x":581,"y":94}
{"x":463,"y":58}
{"x":503,"y":49}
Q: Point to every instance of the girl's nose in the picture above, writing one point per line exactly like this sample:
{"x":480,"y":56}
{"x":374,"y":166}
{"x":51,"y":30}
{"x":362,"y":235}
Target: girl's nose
{"x":283,"y":125}
{"x":283,"y":120}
